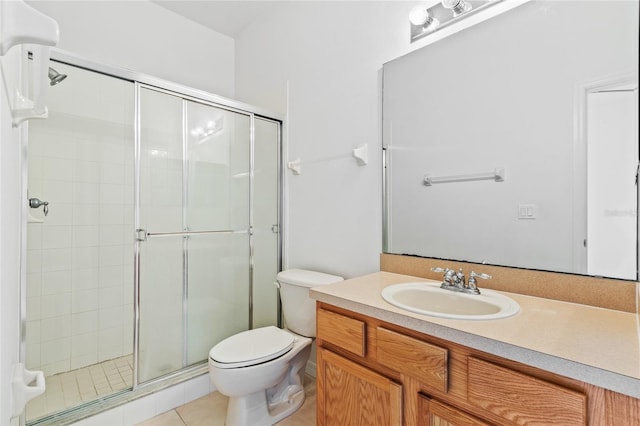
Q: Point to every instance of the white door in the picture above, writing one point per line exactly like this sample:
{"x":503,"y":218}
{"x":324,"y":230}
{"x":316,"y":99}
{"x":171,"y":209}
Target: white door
{"x":612,"y":198}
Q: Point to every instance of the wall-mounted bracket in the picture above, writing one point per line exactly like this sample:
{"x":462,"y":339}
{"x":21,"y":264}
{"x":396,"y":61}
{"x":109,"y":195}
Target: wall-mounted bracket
{"x":25,"y":385}
{"x":295,"y":166}
{"x":361,"y":153}
{"x":22,"y":24}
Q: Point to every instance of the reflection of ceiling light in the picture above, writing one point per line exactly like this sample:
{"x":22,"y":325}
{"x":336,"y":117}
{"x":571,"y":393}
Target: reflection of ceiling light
{"x":241,"y":175}
{"x":420,"y":16}
{"x":212,"y":127}
{"x":158,"y":153}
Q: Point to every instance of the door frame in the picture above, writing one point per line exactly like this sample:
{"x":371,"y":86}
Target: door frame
{"x":580,"y":143}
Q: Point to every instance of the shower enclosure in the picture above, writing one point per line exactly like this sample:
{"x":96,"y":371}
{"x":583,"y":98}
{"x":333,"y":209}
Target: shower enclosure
{"x":161,"y":235}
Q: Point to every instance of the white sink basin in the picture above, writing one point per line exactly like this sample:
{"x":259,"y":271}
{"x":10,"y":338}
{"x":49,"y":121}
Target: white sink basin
{"x":429,"y":299}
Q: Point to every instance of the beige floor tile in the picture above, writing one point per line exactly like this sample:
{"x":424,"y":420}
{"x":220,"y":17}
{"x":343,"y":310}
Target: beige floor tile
{"x":88,"y":396}
{"x":101,"y":384}
{"x":210,"y":410}
{"x":104,"y":391}
{"x":55,"y":405}
{"x":53,"y":384}
{"x":170,"y":418}
{"x":37,"y":408}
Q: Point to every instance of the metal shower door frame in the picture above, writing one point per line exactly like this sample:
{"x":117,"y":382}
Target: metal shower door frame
{"x":143,"y":235}
{"x":200,"y":96}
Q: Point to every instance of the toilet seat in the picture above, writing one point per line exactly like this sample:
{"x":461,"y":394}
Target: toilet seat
{"x":251,"y":347}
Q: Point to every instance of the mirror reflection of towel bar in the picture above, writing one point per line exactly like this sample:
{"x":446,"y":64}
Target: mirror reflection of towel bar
{"x":497,"y":175}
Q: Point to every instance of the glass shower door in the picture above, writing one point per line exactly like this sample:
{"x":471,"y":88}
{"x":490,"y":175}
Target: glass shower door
{"x":194,"y":212}
{"x":266,"y":220}
{"x":79,"y":284}
{"x":217,"y":204}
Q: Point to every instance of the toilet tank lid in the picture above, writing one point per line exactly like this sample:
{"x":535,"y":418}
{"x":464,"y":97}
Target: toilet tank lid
{"x":305,"y":278}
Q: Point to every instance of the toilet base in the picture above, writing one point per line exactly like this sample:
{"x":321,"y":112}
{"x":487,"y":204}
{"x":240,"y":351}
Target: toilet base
{"x":254,"y":409}
{"x":268,"y":407}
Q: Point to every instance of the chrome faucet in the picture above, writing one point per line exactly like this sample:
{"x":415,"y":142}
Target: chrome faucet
{"x":456,"y":281}
{"x":449,"y":275}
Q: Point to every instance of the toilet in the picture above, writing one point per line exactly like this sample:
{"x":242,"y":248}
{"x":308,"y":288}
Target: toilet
{"x":262,"y":370}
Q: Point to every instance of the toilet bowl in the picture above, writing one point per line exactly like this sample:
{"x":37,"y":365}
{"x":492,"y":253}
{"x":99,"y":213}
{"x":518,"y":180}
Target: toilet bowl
{"x":262,"y":370}
{"x":269,"y":390}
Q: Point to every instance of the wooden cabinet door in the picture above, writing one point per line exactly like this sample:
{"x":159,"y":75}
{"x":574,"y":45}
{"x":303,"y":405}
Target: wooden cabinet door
{"x":350,"y":394}
{"x":435,"y":413}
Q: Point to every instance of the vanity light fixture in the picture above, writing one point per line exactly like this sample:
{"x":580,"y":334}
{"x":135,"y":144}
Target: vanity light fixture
{"x":420,"y":16}
{"x":457,"y":6}
{"x":426,"y":20}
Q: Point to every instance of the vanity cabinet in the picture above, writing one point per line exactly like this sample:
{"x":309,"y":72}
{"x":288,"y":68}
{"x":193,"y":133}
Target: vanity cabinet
{"x":356,"y":395}
{"x":370,"y":372}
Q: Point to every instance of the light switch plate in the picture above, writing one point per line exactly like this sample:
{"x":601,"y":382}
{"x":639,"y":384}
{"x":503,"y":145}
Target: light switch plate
{"x":527,"y":211}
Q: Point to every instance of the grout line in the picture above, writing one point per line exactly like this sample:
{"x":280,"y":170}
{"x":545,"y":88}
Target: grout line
{"x":184,"y":422}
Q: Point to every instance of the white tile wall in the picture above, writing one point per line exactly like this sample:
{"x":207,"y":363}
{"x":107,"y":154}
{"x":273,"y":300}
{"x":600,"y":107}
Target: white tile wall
{"x":80,"y":257}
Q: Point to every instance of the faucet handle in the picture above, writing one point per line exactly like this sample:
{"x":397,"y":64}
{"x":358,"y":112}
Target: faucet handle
{"x":448,"y":277}
{"x":472,"y":278}
{"x":474,"y":274}
{"x":459,"y":280}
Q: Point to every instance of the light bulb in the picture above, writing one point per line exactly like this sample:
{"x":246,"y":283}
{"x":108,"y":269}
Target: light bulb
{"x":420,"y":16}
{"x":457,"y":6}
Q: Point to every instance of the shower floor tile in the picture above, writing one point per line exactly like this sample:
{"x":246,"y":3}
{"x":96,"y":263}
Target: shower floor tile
{"x":65,"y":390}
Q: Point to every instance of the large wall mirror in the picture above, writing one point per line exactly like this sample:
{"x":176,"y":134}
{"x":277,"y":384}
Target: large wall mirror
{"x":544,"y":96}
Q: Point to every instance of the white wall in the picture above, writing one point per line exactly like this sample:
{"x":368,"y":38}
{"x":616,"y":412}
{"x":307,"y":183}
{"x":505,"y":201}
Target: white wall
{"x":10,"y":240}
{"x":144,"y":37}
{"x":330,"y":55}
{"x":320,"y":62}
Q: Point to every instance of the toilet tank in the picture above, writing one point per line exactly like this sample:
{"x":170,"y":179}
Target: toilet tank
{"x":298,"y":308}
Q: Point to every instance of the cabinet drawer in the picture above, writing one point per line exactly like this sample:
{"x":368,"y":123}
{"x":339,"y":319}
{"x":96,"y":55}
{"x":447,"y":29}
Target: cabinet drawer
{"x":421,"y":360}
{"x":435,"y":413}
{"x":340,"y":330}
{"x":523,"y":399}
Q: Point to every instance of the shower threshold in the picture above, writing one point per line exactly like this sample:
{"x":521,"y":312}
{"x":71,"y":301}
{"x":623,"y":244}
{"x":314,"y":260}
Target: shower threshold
{"x":72,"y":388}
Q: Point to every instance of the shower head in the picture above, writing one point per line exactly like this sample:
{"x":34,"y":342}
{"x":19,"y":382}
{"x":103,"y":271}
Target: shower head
{"x":55,"y":77}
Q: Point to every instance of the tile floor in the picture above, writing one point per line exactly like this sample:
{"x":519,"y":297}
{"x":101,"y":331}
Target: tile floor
{"x":69,"y":389}
{"x":210,"y":410}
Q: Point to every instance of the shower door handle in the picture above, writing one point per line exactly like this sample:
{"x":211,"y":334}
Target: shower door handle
{"x":141,"y":235}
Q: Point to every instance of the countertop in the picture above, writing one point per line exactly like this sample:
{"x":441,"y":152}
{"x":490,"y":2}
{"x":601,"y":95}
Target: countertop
{"x":594,"y":345}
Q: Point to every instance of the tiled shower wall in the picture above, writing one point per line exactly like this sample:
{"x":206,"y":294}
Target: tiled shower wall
{"x":80,"y":256}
